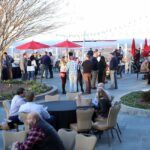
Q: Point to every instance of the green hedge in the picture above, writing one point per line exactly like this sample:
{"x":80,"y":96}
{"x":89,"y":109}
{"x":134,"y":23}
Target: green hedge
{"x":135,"y":99}
{"x":34,"y":86}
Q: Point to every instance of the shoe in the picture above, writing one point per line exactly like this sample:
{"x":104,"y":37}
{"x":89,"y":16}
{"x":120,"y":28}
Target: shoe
{"x":4,"y":127}
{"x":111,"y":88}
{"x":64,"y":92}
{"x":93,"y":88}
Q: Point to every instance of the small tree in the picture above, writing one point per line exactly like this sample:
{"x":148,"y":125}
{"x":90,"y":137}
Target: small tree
{"x":20,"y":19}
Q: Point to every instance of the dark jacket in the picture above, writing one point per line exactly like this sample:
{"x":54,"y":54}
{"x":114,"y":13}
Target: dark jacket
{"x":113,"y":63}
{"x":45,"y":60}
{"x":101,"y":66}
{"x":52,"y":140}
{"x":87,"y":66}
{"x":94,"y":63}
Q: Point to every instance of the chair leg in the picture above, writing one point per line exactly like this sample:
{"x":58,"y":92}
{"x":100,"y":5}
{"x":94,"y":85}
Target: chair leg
{"x":112,"y":133}
{"x":119,"y":128}
{"x":17,"y":128}
{"x":117,"y":135}
{"x":108,"y":138}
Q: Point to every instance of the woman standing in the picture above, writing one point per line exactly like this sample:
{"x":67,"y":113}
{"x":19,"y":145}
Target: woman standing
{"x":63,"y":75}
{"x":101,"y":70}
{"x":31,"y":66}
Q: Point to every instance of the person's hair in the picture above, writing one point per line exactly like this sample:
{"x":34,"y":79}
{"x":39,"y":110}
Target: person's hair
{"x":20,"y":91}
{"x":88,"y":56}
{"x":96,"y":50}
{"x":101,"y":85}
{"x":24,"y":54}
{"x":70,"y":53}
{"x":30,"y":96}
{"x":32,"y":57}
{"x":34,"y":115}
{"x":102,"y":59}
{"x":50,"y":53}
{"x":46,"y":53}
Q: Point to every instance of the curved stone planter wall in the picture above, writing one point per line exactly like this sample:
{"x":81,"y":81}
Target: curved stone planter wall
{"x":134,"y":111}
{"x":53,"y":91}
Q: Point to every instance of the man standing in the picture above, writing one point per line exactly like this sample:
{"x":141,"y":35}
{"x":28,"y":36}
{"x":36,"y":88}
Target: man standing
{"x":87,"y":68}
{"x":51,"y":65}
{"x":7,"y":64}
{"x":72,"y":67}
{"x":45,"y":63}
{"x":94,"y":69}
{"x":113,"y":68}
{"x":23,"y":66}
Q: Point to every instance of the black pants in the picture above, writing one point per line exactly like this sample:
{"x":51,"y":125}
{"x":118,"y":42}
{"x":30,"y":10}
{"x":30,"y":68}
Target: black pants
{"x":63,"y":79}
{"x":80,"y":81}
{"x":51,"y":71}
{"x":148,"y":82}
{"x":14,"y":120}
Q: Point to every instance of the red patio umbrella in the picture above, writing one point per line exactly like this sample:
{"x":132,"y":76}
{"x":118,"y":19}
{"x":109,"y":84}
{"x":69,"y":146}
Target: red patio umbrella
{"x":67,"y":44}
{"x":133,"y":47}
{"x":32,"y":45}
{"x":145,"y":43}
{"x":146,"y":51}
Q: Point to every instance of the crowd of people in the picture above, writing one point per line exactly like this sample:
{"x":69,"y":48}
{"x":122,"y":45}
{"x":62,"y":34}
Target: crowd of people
{"x":91,"y":71}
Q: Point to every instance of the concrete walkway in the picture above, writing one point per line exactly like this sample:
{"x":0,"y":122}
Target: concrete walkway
{"x":135,"y":130}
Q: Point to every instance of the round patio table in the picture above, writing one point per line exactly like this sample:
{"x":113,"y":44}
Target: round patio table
{"x":64,"y":111}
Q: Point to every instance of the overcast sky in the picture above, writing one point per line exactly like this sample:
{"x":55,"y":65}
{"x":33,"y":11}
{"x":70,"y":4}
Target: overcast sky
{"x":105,"y":19}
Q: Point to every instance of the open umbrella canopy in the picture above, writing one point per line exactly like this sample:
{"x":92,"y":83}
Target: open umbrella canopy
{"x":66,"y":44}
{"x":145,"y":43}
{"x":133,"y":47}
{"x":32,"y":45}
{"x":146,"y":51}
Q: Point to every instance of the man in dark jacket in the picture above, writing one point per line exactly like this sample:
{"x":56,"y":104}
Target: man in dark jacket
{"x":41,"y":136}
{"x":45,"y":63}
{"x":87,"y":68}
{"x":94,"y":69}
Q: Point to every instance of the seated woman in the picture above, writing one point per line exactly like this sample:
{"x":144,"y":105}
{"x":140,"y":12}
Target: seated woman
{"x":145,"y":66}
{"x":104,"y":101}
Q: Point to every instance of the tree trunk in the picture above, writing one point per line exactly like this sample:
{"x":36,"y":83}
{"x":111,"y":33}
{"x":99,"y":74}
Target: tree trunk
{"x":1,"y":54}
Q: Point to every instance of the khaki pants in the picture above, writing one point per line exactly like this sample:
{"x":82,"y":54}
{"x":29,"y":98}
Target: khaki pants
{"x":94,"y":78}
{"x":87,"y":80}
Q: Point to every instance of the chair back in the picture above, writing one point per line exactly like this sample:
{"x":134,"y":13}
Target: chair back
{"x":84,"y":102}
{"x":84,"y":119}
{"x":23,"y":118}
{"x":85,"y":142}
{"x":52,"y":97}
{"x":10,"y":137}
{"x":6,"y":106}
{"x":112,"y":116}
{"x":72,"y":96}
{"x":68,"y":138}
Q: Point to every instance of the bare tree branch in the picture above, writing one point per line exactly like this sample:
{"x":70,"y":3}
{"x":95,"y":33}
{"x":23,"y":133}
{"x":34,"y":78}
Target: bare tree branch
{"x":25,"y":18}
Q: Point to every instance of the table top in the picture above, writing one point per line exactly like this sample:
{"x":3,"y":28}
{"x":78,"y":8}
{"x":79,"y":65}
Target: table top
{"x":60,"y":105}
